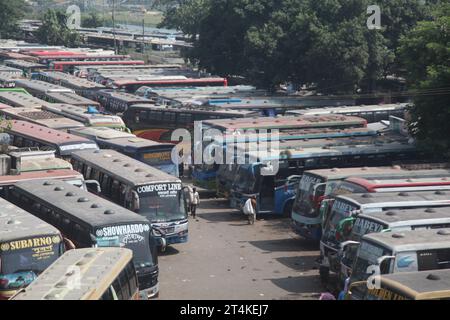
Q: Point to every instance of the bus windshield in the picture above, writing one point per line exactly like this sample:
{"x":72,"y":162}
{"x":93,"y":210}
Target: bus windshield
{"x":135,"y":237}
{"x":245,"y":180}
{"x":304,"y":203}
{"x":340,"y":210}
{"x":367,"y":256}
{"x":163,"y":205}
{"x":24,"y":256}
{"x":345,"y":187}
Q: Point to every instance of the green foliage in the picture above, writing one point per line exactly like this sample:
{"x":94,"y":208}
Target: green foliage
{"x":425,"y":53}
{"x":325,"y":43}
{"x":54,"y":30}
{"x":10,"y":13}
{"x":93,"y":20}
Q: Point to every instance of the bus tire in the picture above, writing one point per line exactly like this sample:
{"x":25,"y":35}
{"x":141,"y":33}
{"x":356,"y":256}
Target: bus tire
{"x":288,"y":209}
{"x":324,"y":273}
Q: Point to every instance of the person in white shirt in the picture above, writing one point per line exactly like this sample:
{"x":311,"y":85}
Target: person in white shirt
{"x":195,"y":201}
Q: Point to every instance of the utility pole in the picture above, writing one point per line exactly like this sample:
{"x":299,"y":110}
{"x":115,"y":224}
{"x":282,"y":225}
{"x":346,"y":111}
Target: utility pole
{"x":143,"y":35}
{"x":114,"y":25}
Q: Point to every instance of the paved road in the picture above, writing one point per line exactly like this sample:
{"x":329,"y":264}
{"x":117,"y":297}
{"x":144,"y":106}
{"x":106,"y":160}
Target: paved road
{"x":226,"y":258}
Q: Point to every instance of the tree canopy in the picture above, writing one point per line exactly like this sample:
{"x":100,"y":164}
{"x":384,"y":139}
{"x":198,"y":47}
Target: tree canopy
{"x":425,"y":54}
{"x":326,"y":43}
{"x":10,"y":13}
{"x":54,"y":30}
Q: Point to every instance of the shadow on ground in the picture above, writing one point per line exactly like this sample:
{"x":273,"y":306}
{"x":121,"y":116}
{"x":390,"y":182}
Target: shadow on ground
{"x":284,"y":245}
{"x":300,"y":263}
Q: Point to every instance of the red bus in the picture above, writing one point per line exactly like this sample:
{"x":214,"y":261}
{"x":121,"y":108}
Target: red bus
{"x":68,"y":66}
{"x":132,"y":85}
{"x":25,"y":135}
{"x":370,"y":185}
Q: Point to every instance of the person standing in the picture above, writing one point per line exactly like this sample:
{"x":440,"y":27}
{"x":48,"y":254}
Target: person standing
{"x":195,"y":202}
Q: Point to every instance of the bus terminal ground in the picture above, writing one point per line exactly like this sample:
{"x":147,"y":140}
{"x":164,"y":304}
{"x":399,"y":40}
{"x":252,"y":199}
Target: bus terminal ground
{"x":224,"y":254}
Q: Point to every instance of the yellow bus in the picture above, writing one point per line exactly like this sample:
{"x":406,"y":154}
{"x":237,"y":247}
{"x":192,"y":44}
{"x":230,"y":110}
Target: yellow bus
{"x":422,"y":285}
{"x":86,"y":274}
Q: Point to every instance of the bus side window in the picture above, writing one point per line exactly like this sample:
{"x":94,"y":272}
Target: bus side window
{"x":106,"y":185}
{"x":132,"y":277}
{"x":117,"y":292}
{"x":125,"y":285}
{"x":109,"y":294}
{"x":115,"y":191}
{"x":88,"y":173}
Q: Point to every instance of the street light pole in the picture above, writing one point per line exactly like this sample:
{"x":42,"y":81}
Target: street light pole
{"x":114,"y":25}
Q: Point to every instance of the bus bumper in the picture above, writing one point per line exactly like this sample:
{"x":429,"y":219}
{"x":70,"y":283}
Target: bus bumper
{"x":174,"y":239}
{"x":149,"y":293}
{"x":308,"y":232}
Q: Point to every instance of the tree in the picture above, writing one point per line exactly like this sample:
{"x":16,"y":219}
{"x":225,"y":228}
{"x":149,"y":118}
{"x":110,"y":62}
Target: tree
{"x":10,"y":13}
{"x":425,"y":53}
{"x":93,"y":20}
{"x":54,"y":30}
{"x":324,"y":43}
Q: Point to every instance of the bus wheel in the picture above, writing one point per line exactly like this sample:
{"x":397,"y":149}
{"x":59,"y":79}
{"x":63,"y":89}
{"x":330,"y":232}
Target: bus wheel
{"x":287,"y":209}
{"x":324,"y":274}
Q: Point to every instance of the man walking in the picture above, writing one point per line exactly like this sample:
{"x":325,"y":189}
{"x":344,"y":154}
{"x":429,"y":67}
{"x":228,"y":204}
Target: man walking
{"x":195,"y":201}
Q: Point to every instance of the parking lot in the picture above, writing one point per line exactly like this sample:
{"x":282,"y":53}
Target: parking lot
{"x":226,"y":258}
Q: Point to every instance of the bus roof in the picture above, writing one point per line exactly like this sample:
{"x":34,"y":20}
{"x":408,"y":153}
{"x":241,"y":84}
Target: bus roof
{"x":168,"y":82}
{"x":123,"y":96}
{"x":42,"y":133}
{"x":6,"y":69}
{"x":102,"y":133}
{"x":60,"y":174}
{"x":417,"y":240}
{"x":80,"y":114}
{"x":71,"y":98}
{"x":229,"y":113}
{"x":334,"y":148}
{"x":421,"y":285}
{"x":41,"y":86}
{"x":23,"y":64}
{"x":285,"y":122}
{"x":394,"y":171}
{"x":71,"y":81}
{"x":136,"y":143}
{"x":93,"y":63}
{"x":368,"y":200}
{"x":374,"y":183}
{"x":19,"y":99}
{"x":39,"y":161}
{"x":406,"y":217}
{"x":101,"y":267}
{"x":122,"y":167}
{"x":42,"y":117}
{"x":192,"y":91}
{"x":16,"y":223}
{"x":82,"y":206}
{"x":349,"y":109}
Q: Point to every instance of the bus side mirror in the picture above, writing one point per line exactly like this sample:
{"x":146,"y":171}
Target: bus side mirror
{"x":135,"y":201}
{"x":319,"y":190}
{"x":93,"y":185}
{"x":346,"y":244}
{"x":325,"y":209}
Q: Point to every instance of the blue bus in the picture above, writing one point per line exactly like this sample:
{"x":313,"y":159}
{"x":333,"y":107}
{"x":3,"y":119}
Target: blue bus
{"x":276,"y":189}
{"x":155,"y":154}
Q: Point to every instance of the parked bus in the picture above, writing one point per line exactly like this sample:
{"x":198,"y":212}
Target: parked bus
{"x":275,"y":191}
{"x":372,"y":113}
{"x":172,"y":93}
{"x":81,"y":86}
{"x":41,"y":117}
{"x":395,"y":252}
{"x":420,"y":285}
{"x":131,"y":85}
{"x":90,"y":221}
{"x":69,"y":66}
{"x":102,"y":274}
{"x":48,"y":59}
{"x":157,"y":123}
{"x":89,"y":118}
{"x":55,"y":94}
{"x":283,"y":124}
{"x":117,"y":101}
{"x":317,"y":185}
{"x":348,"y":206}
{"x":154,"y":194}
{"x":33,"y":159}
{"x":26,"y":134}
{"x":28,"y":246}
{"x":12,"y":71}
{"x":155,"y":154}
{"x":27,"y":67}
{"x":387,"y":221}
{"x":7,"y":80}
{"x":21,"y":100}
{"x":220,"y":177}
